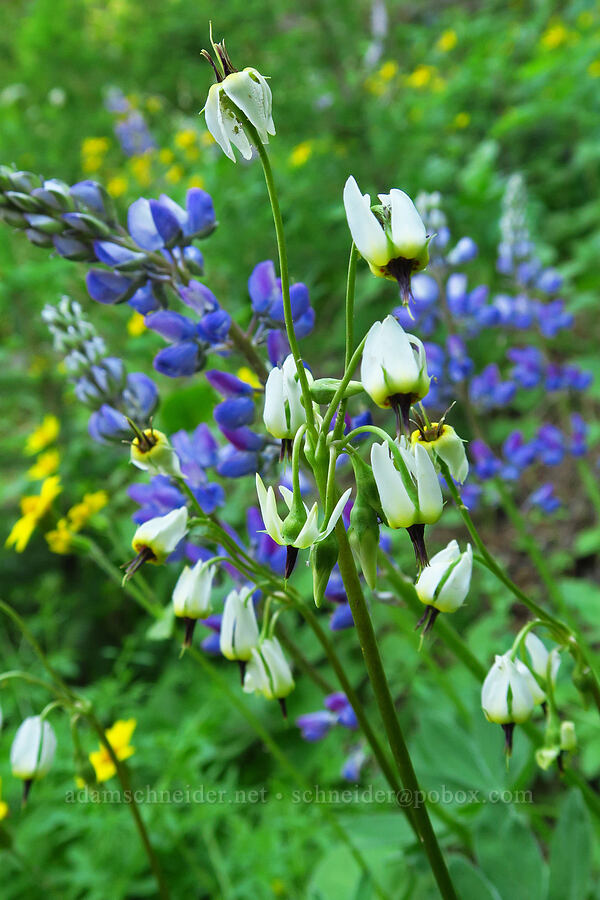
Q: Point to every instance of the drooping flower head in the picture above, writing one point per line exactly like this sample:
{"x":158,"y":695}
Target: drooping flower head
{"x":391,"y":236}
{"x":444,"y":584}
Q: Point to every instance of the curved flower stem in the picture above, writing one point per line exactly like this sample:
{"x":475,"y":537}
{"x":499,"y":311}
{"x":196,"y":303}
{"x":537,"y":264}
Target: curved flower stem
{"x":129,"y":793}
{"x":285,"y":277}
{"x":350,"y":290}
{"x":247,"y":349}
{"x":283,"y":760}
{"x":539,"y":561}
{"x":387,"y":710}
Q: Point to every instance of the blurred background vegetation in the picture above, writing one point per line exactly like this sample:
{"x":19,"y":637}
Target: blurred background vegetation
{"x":443,"y":96}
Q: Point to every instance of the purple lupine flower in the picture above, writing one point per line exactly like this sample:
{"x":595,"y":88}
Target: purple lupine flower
{"x":485,"y":463}
{"x":214,"y":326}
{"x":235,"y":412}
{"x":156,"y":498}
{"x":267,"y":302}
{"x":464,"y":252}
{"x":139,"y":397}
{"x":579,"y":433}
{"x":228,"y":385}
{"x":144,"y":300}
{"x":278,"y":347}
{"x":198,"y":297}
{"x":115,"y":255}
{"x":456,"y":293}
{"x":314,"y":726}
{"x":133,"y":134}
{"x":550,"y":445}
{"x":234,"y":463}
{"x":553,"y":318}
{"x":549,"y":281}
{"x":528,"y":365}
{"x":576,"y":379}
{"x":152,"y":224}
{"x":488,"y":390}
{"x":339,"y":704}
{"x":172,"y":326}
{"x":108,"y":425}
{"x":341,"y":618}
{"x":517,"y":452}
{"x":197,"y":451}
{"x":471,"y":495}
{"x":352,"y":766}
{"x":244,"y":438}
{"x":178,"y":359}
{"x":545,"y":498}
{"x":109,"y":287}
{"x":460,"y":365}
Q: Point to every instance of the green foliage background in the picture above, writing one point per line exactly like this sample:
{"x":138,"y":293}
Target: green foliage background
{"x":519,"y":91}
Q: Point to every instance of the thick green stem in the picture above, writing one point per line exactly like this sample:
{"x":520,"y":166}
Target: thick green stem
{"x":247,"y":349}
{"x":387,"y":710}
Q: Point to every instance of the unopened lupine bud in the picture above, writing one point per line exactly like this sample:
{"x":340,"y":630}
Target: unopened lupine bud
{"x":236,"y":98}
{"x":444,"y":584}
{"x":32,"y":751}
{"x":394,"y":368}
{"x":157,"y":538}
{"x":391,"y":237}
{"x":284,"y":412}
{"x":441,"y":440}
{"x":152,"y":452}
{"x":192,"y":596}
{"x":268,"y":672}
{"x":509,"y":694}
{"x":540,"y":656}
{"x":239,"y":629}
{"x":409,"y":491}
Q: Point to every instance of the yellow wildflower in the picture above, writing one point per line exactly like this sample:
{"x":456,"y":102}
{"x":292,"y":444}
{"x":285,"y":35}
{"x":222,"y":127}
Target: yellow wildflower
{"x":462,"y":120}
{"x":555,"y":35}
{"x":96,"y":501}
{"x":594,"y":68}
{"x":174,"y":174}
{"x":375,"y":86}
{"x":94,"y":146}
{"x":43,"y":435}
{"x":117,"y":185}
{"x":185,"y":138}
{"x":250,"y":377}
{"x":196,"y":181}
{"x":118,"y":737}
{"x":59,"y":539}
{"x":301,"y":154}
{"x":81,"y":512}
{"x":421,"y":77}
{"x":192,"y":153}
{"x":447,"y":41}
{"x":154,"y":104}
{"x":206,"y":139}
{"x":388,"y":70}
{"x":34,"y":508}
{"x":136,"y":325}
{"x":166,"y":156}
{"x":140,"y":167}
{"x":4,"y":807}
{"x":47,"y":464}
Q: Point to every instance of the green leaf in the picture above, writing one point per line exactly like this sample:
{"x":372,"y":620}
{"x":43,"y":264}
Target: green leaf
{"x":470,"y":883}
{"x":570,"y":851}
{"x":510,"y":857}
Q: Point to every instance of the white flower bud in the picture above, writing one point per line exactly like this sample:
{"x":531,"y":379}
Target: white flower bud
{"x":192,"y":593}
{"x":568,"y":739}
{"x":539,"y":656}
{"x":153,"y":453}
{"x":33,"y":749}
{"x":160,"y":536}
{"x":393,"y":363}
{"x":268,"y":671}
{"x":509,"y":691}
{"x":239,"y":629}
{"x":284,"y":413}
{"x":249,"y":93}
{"x":409,"y":494}
{"x":444,"y":583}
{"x":442,"y":441}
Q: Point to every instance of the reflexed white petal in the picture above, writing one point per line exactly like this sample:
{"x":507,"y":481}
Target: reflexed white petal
{"x":273,"y":522}
{"x":282,"y":681}
{"x":431,"y":502}
{"x":162,"y":534}
{"x":214,"y":120}
{"x":33,"y":748}
{"x":256,"y":679}
{"x":537,"y":694}
{"x":366,"y":231}
{"x":522,"y":698}
{"x":494,"y":693}
{"x":274,"y":412}
{"x":337,"y":512}
{"x":456,"y":587}
{"x":227,"y":625}
{"x":538,"y":654}
{"x":398,"y":362}
{"x":371,"y":373}
{"x":397,"y":505}
{"x":408,"y":232}
{"x":310,"y":530}
{"x":251,"y":93}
